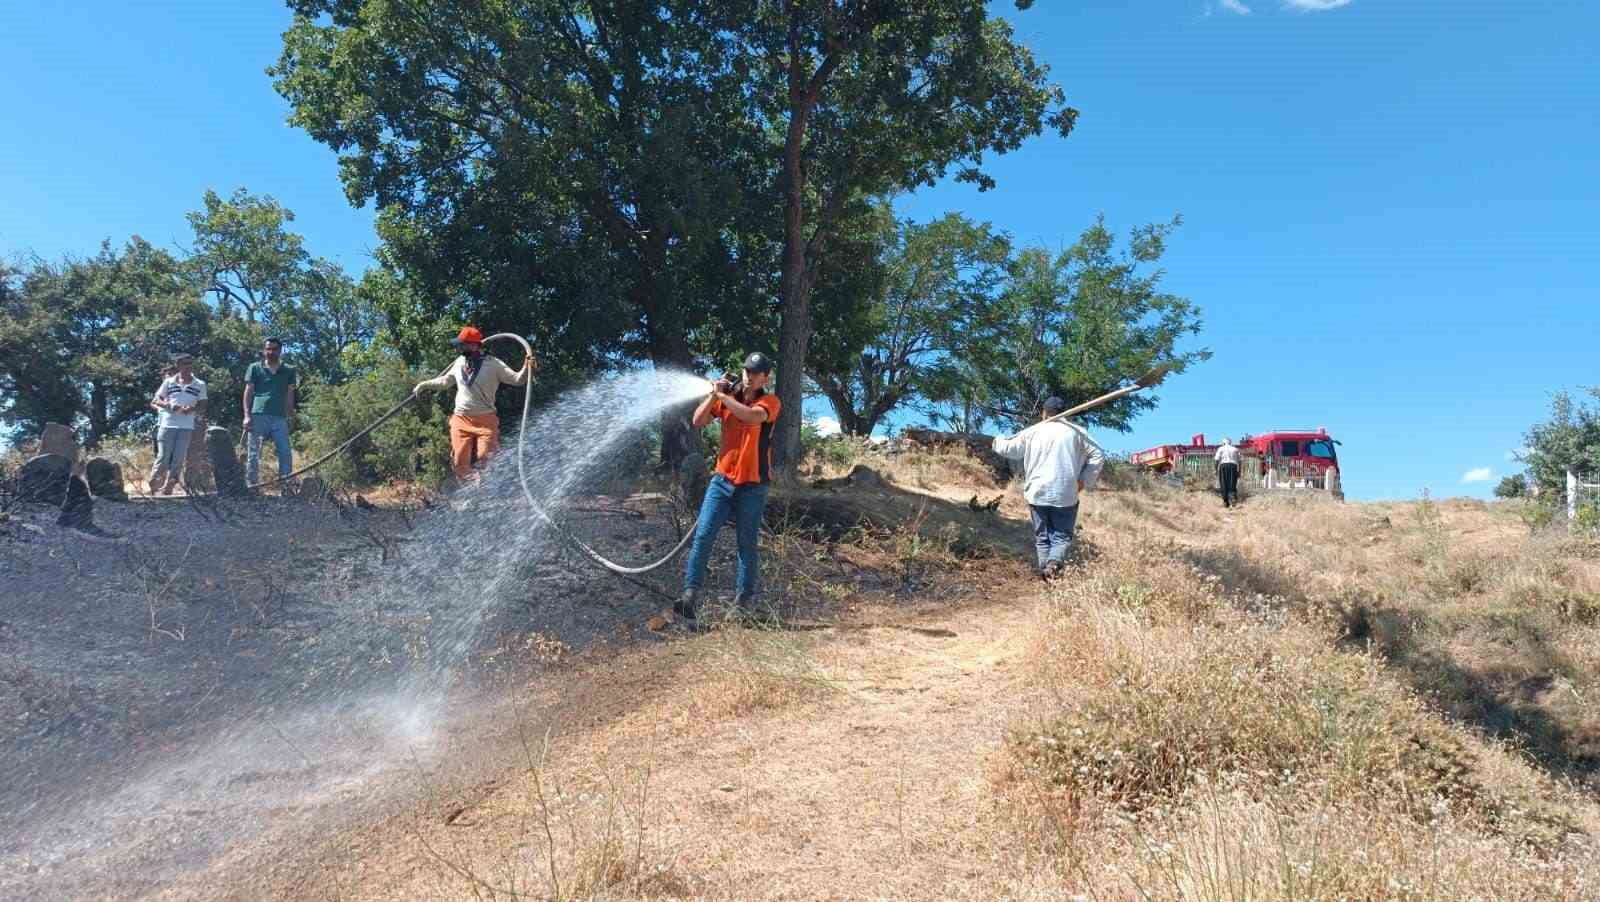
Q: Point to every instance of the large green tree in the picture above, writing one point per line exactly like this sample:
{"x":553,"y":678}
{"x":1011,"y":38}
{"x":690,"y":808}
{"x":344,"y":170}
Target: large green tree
{"x":1569,"y":439}
{"x":249,"y":261}
{"x":83,"y":342}
{"x":1074,"y":325}
{"x":872,"y":96}
{"x":587,"y":173}
{"x":932,"y":283}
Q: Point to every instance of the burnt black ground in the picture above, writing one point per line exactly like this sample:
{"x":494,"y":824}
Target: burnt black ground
{"x":197,"y":643}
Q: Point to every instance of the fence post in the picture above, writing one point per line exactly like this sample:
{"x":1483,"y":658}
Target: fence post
{"x":1572,"y":495}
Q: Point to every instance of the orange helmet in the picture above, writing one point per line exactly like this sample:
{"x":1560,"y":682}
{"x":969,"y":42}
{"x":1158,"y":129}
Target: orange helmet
{"x":469,"y":335}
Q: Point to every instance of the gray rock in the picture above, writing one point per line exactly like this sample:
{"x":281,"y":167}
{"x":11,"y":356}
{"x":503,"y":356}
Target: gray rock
{"x":43,"y":479}
{"x":105,"y":479}
{"x":197,"y":474}
{"x":226,"y":471}
{"x":58,"y":439}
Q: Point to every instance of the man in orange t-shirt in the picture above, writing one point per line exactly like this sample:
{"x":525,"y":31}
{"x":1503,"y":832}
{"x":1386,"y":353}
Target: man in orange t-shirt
{"x":738,"y":491}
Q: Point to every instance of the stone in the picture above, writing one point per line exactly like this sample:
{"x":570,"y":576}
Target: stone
{"x":197,"y":465}
{"x":226,"y":470}
{"x":58,"y":439}
{"x":105,"y":479}
{"x":861,"y":474}
{"x":43,"y":479}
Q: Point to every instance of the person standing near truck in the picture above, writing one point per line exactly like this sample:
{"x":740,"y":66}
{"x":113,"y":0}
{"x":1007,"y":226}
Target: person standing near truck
{"x":1227,"y":458}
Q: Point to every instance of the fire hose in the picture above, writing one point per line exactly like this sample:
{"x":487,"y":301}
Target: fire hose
{"x":522,"y":478}
{"x":522,"y":482}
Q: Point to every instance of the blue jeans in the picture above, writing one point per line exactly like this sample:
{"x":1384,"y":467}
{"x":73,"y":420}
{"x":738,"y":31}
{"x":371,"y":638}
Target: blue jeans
{"x":1052,"y":531}
{"x":266,"y":425}
{"x":742,"y":504}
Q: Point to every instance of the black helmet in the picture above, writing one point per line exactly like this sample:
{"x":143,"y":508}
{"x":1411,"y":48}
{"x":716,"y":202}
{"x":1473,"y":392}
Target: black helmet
{"x":758,"y":362}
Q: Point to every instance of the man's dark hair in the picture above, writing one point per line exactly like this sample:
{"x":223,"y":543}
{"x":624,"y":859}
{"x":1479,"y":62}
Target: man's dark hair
{"x":1054,"y":405}
{"x":272,"y":340}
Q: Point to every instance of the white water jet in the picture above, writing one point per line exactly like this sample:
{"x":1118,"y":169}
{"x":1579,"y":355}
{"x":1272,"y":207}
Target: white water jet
{"x":352,"y":713}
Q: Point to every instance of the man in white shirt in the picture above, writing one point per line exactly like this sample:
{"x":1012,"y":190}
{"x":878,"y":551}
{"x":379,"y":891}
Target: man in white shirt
{"x":1227,"y":458}
{"x":474,"y":426}
{"x":1059,"y":461}
{"x":181,"y":400}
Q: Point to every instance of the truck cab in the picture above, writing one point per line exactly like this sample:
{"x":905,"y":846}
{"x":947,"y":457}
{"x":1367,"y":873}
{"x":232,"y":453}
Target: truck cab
{"x":1296,"y":456}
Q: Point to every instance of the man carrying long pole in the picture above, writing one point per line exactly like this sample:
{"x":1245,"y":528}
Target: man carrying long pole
{"x":1059,"y":462}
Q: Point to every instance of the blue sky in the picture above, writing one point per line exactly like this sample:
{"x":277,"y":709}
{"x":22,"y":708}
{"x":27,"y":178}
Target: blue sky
{"x":1389,"y":204}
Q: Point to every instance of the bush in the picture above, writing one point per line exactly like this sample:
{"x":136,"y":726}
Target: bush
{"x":414,"y":445}
{"x":1587,"y":522}
{"x":1512,"y":487}
{"x":829,"y":450}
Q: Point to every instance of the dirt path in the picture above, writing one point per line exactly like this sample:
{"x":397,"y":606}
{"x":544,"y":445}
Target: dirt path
{"x":723,"y":768}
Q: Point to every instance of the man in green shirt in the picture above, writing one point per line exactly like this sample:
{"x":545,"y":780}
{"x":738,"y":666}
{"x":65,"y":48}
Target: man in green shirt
{"x":268,"y":407}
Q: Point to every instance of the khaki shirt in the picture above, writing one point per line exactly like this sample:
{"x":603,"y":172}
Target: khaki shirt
{"x":478,"y":396}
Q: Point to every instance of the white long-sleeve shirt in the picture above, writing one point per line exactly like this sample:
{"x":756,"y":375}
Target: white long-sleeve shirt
{"x":1227,"y":454}
{"x":476,"y":397}
{"x":1055,"y":456}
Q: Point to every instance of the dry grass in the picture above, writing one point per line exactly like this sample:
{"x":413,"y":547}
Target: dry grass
{"x":1250,"y":708}
{"x":1297,"y":700}
{"x":743,"y":671}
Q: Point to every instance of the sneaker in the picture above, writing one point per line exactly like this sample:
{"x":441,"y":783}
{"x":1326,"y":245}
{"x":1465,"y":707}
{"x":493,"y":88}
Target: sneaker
{"x":1052,"y":570}
{"x":93,"y":533}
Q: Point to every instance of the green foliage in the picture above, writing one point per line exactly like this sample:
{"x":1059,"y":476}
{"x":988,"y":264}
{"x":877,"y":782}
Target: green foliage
{"x":590,"y":174}
{"x":933,"y":282}
{"x":1075,"y":325}
{"x":1587,"y":520}
{"x":1537,"y":515}
{"x":83,"y":342}
{"x":414,"y":445}
{"x":246,"y":258}
{"x":1512,"y":487}
{"x":872,"y":98}
{"x":1570,"y":439}
{"x":634,"y":180}
{"x":833,"y":450}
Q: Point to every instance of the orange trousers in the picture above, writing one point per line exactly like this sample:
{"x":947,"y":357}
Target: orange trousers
{"x":472,"y":436}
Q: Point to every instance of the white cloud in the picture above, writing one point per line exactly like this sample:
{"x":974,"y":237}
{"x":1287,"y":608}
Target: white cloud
{"x":1315,"y":6}
{"x":1235,"y":6}
{"x":826,"y":426}
{"x":1477,"y":474}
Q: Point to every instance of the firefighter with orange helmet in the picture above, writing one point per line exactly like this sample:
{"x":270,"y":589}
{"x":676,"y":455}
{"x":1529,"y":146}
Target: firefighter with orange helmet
{"x":474,"y":425}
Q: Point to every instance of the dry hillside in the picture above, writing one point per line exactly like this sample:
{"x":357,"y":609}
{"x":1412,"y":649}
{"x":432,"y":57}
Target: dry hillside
{"x":1294,"y":700}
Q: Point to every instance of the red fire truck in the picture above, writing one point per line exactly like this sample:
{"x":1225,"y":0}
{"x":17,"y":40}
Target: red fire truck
{"x":1282,"y":457}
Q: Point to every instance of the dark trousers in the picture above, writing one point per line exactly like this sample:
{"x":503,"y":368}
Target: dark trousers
{"x":1228,"y":480}
{"x":1052,"y":531}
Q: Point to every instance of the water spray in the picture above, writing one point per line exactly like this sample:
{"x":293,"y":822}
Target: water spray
{"x":522,"y":482}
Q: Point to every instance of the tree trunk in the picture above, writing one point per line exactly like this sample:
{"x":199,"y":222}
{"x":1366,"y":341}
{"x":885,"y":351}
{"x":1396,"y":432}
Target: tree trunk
{"x":98,"y":415}
{"x":794,"y":331}
{"x":850,"y":423}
